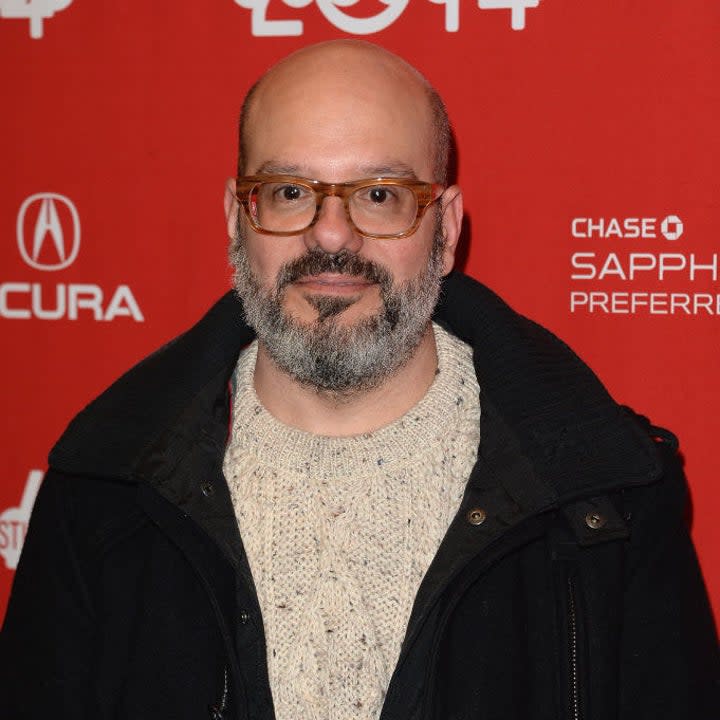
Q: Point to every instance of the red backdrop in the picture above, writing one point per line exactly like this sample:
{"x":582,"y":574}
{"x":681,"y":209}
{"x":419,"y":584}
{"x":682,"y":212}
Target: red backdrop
{"x":588,"y":155}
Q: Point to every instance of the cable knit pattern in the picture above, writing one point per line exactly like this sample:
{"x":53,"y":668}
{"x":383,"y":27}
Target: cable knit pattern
{"x":339,"y":532}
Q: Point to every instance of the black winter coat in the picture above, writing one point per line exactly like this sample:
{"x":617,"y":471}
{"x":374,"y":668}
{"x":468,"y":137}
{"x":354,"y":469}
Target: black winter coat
{"x":566,"y":586}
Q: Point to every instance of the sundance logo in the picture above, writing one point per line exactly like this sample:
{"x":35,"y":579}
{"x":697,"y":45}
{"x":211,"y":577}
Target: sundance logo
{"x":14,"y":521}
{"x":36,"y":11}
{"x":48,"y":239}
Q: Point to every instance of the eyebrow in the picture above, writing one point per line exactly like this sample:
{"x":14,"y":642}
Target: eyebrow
{"x":395,"y":169}
{"x":275,"y":168}
{"x":392,"y":169}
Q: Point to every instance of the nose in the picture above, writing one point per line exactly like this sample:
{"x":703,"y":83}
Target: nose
{"x":332,"y":232}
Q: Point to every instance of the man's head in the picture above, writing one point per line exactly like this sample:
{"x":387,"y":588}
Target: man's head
{"x":335,"y":308}
{"x":441,"y":133}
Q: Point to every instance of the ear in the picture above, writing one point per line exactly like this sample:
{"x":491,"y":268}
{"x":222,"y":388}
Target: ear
{"x":451,"y":224}
{"x":232,"y":207}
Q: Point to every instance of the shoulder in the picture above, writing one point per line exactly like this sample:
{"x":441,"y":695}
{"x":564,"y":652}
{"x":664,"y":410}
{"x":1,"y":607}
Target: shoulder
{"x":110,"y":435}
{"x":579,"y":440}
{"x":83,"y":511}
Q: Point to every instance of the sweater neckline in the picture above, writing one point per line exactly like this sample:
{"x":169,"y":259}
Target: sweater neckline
{"x":288,"y":448}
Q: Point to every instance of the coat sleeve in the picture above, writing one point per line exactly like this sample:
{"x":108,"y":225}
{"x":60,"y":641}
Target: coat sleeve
{"x":45,"y":647}
{"x":670,"y":666}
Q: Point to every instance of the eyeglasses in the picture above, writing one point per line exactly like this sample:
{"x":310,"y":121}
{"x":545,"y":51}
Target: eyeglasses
{"x":376,"y":207}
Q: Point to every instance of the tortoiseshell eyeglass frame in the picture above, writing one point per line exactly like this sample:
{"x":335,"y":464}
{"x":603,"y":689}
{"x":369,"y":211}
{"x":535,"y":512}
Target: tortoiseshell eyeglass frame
{"x":425,"y":193}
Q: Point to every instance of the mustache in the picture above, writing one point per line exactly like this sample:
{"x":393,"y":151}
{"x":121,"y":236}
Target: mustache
{"x":316,"y":262}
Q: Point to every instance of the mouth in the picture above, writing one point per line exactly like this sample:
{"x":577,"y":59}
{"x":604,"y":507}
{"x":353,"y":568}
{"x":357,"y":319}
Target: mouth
{"x":334,"y":284}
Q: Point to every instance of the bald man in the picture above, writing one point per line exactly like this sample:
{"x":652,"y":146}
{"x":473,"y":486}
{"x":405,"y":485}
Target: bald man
{"x":359,"y":544}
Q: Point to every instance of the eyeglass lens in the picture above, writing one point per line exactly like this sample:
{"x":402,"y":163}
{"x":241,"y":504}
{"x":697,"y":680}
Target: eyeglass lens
{"x":376,"y":209}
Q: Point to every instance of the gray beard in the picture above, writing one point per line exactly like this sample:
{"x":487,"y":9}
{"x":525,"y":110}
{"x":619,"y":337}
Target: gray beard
{"x":325,"y":354}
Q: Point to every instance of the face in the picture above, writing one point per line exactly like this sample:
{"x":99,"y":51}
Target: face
{"x":334,"y":309}
{"x":329,"y":354}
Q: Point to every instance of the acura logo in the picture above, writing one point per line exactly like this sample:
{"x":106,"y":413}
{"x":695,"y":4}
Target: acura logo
{"x":48,"y":238}
{"x":48,"y":228}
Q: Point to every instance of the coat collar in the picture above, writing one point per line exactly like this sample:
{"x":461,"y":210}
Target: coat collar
{"x":577,"y":439}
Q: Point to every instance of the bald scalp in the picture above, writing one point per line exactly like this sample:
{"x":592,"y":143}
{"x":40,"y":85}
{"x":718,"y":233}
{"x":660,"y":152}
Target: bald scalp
{"x":330,"y":61}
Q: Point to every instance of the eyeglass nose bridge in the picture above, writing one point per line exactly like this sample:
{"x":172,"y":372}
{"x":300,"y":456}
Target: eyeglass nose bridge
{"x":343,"y":191}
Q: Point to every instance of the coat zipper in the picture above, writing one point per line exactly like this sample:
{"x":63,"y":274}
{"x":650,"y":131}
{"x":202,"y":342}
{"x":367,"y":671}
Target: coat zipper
{"x":217,"y":711}
{"x":575,"y":709}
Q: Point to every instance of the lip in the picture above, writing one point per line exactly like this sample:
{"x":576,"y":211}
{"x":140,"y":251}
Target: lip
{"x":333,"y":283}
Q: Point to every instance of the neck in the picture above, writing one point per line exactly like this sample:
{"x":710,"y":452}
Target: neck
{"x":327,"y":413}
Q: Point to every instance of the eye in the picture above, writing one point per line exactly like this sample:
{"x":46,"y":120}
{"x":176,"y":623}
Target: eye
{"x":290,"y":192}
{"x":378,"y":195}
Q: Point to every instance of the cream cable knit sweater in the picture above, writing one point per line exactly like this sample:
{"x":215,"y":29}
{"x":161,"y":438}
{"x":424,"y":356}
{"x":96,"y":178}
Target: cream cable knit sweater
{"x":339,"y":532}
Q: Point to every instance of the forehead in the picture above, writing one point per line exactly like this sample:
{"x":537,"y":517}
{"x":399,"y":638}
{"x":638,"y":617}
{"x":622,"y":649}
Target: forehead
{"x":336,"y":116}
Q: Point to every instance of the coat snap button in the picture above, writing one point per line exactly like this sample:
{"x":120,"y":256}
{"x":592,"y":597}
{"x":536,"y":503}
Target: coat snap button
{"x":595,"y":520}
{"x":244,"y":617}
{"x":476,"y":516}
{"x":207,"y":488}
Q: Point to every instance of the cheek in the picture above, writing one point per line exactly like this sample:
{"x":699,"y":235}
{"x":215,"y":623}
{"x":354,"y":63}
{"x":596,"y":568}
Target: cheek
{"x":408,"y":257}
{"x":266,"y":255}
